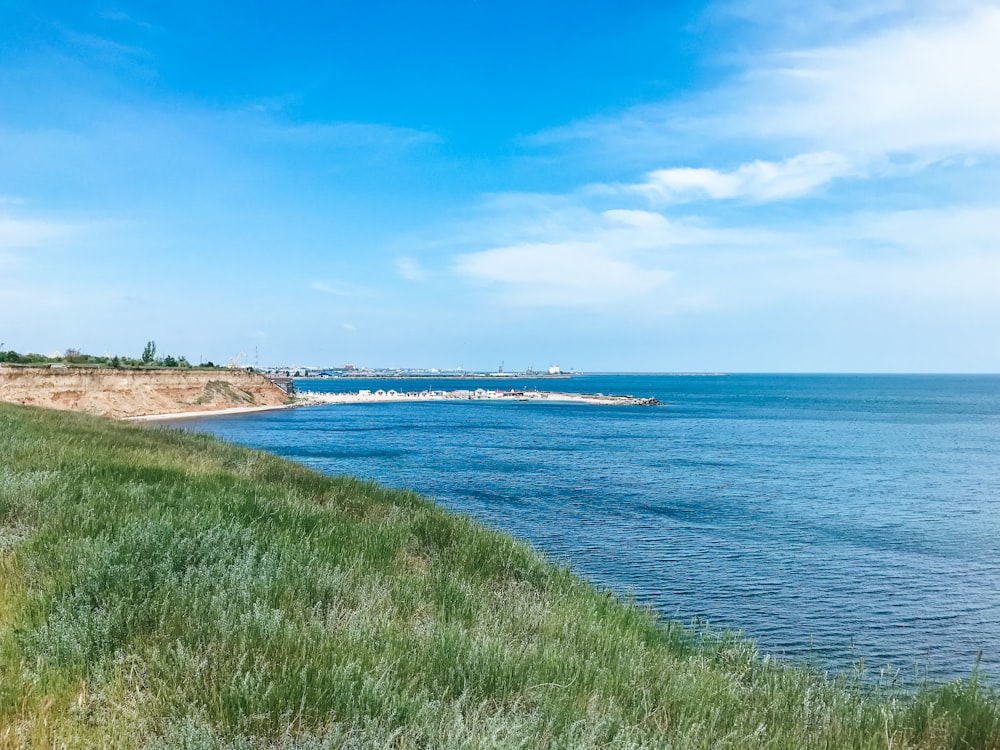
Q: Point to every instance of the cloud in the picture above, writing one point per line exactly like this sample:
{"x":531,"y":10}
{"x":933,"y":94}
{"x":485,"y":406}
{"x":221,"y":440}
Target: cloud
{"x":757,"y":181}
{"x":558,"y":253}
{"x":902,"y":89}
{"x":18,"y":233}
{"x":560,"y":274}
{"x":410,"y":270}
{"x":349,"y":327}
{"x":123,"y":17}
{"x":920,"y":87}
{"x":948,"y":232}
{"x":794,"y":20}
{"x":102,"y":48}
{"x":946,"y":259}
{"x":340,"y":289}
{"x":592,"y":261}
{"x":907,"y":81}
{"x":345,"y":135}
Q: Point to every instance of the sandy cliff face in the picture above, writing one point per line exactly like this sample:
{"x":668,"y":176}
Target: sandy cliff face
{"x":133,"y":393}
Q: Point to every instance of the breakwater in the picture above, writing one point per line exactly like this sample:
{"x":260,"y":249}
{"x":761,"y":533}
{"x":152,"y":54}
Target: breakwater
{"x":362,"y":396}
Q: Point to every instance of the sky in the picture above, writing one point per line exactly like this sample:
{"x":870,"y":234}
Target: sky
{"x":758,"y":186}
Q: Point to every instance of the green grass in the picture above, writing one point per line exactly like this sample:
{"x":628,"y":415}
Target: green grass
{"x":162,"y":590}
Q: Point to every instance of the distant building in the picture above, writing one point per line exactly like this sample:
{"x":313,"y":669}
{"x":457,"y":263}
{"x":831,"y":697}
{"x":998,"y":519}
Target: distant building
{"x":554,"y":370}
{"x":349,"y":368}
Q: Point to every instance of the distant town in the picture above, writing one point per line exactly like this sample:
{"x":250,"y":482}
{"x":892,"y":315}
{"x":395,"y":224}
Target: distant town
{"x":352,"y":371}
{"x":150,"y":358}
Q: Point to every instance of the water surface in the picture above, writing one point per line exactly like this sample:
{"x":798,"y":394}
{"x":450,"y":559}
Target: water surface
{"x":828,"y":517}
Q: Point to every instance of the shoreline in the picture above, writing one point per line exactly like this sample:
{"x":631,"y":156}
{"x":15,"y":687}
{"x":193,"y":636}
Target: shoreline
{"x":225,"y":510}
{"x":313,"y":398}
{"x":204,"y":413}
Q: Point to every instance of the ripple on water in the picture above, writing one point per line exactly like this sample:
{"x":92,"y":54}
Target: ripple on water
{"x":829,"y":517}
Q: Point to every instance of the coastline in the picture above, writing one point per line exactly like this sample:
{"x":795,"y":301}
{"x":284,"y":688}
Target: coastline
{"x":222,"y":541}
{"x":312,"y":398}
{"x":205,"y":413}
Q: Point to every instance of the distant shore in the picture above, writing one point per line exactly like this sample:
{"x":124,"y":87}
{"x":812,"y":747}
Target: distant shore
{"x":443,"y":376}
{"x":513,"y":376}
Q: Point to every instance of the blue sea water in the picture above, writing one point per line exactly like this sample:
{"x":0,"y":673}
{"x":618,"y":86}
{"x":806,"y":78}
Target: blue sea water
{"x":828,"y":517}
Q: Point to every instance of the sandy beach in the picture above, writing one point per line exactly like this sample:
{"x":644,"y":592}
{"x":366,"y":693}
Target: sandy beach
{"x":206,"y":413}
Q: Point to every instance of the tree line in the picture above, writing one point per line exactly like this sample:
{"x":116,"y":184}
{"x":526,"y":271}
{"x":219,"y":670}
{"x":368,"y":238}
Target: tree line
{"x":72,"y":356}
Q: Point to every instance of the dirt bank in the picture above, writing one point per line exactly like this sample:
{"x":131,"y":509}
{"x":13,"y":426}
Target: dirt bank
{"x":134,"y":393}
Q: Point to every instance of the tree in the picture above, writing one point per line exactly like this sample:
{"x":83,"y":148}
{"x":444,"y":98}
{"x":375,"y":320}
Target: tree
{"x":169,"y":361}
{"x":149,"y":353}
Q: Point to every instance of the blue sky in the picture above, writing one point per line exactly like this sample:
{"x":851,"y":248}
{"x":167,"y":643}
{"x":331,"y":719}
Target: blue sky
{"x":686,"y":186}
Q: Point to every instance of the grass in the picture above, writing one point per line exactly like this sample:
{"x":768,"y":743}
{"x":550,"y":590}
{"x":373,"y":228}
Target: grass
{"x":167,"y":590}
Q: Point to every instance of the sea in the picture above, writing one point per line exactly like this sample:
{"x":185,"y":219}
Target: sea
{"x":831,"y":518}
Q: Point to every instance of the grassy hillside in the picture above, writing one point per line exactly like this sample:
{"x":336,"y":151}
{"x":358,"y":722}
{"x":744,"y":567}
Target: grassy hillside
{"x":159,"y":590}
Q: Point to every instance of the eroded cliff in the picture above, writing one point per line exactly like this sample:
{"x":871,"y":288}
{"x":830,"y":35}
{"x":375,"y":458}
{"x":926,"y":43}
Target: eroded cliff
{"x":133,"y":393}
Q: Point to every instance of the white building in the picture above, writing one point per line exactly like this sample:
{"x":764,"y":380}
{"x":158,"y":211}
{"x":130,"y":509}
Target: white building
{"x":554,"y":370}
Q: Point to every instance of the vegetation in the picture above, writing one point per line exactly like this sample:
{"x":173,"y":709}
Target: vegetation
{"x":161,"y":590}
{"x":72,"y":356}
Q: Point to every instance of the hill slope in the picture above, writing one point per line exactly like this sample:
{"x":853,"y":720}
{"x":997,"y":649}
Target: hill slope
{"x":160,"y":589}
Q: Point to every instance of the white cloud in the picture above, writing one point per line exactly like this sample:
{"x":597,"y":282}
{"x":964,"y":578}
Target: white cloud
{"x":756,"y":181}
{"x":340,"y":288}
{"x":925,"y":86}
{"x":572,"y":257}
{"x":580,"y":259}
{"x":569,"y":274}
{"x":918,"y":82}
{"x":947,"y":232}
{"x":784,"y":20}
{"x":410,"y":269}
{"x":18,"y":233}
{"x":905,"y":88}
{"x":349,"y":327}
{"x":945,"y":259}
{"x":121,"y":16}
